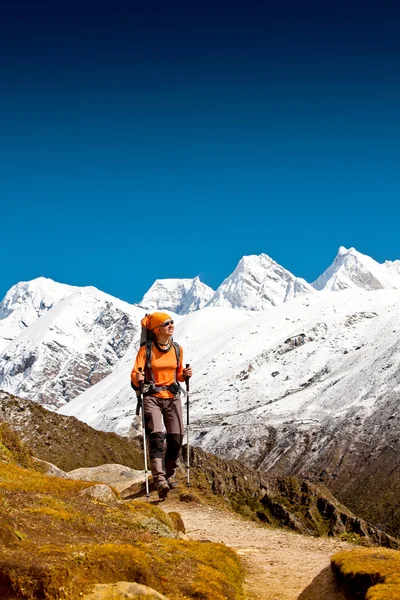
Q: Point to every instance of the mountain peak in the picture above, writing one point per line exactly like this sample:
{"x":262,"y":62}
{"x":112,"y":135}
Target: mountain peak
{"x":258,"y":282}
{"x":352,"y":269}
{"x":344,"y":251}
{"x":25,"y":302}
{"x":181,"y":296}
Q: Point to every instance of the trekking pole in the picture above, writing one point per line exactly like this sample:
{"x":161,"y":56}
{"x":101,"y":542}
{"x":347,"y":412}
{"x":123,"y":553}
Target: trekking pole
{"x":187,"y":430}
{"x":140,"y":404}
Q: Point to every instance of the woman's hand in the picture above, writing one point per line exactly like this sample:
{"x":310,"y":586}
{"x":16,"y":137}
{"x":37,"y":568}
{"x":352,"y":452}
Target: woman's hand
{"x":139,"y":377}
{"x":188,"y":372}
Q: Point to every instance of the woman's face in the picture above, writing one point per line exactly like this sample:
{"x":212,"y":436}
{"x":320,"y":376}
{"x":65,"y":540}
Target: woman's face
{"x":167,"y":328}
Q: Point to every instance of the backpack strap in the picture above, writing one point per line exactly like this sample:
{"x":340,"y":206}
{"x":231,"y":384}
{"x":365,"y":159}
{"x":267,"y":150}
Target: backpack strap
{"x":178,"y":358}
{"x":175,"y":388}
{"x":149,"y":347}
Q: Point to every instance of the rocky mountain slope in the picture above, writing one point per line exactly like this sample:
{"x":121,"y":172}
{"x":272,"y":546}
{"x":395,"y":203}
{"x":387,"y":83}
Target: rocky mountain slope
{"x":290,"y":502}
{"x":65,"y":441}
{"x":69,"y":347}
{"x":285,"y":502}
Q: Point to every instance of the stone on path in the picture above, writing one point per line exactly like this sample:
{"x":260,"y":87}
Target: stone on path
{"x":119,"y":477}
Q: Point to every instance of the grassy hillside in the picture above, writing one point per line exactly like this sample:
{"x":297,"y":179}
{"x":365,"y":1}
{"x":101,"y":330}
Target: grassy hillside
{"x":65,"y":441}
{"x":55,"y":542}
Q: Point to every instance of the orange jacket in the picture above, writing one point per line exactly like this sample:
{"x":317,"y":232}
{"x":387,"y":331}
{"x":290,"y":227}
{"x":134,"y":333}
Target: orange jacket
{"x":163,"y":365}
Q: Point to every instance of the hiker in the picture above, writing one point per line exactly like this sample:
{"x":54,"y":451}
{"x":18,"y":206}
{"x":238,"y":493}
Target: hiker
{"x":159,"y":364}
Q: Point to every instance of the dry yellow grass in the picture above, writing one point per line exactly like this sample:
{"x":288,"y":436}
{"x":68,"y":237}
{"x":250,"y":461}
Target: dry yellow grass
{"x":54,"y":543}
{"x":373,"y":573}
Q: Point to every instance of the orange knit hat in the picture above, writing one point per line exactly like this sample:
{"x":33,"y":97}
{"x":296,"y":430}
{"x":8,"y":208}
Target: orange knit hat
{"x":154,"y":320}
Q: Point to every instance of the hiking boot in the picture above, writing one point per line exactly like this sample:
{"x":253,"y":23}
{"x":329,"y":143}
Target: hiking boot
{"x":163,"y":490}
{"x":172,"y":482}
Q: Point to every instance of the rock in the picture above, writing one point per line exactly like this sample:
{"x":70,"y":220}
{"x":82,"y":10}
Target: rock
{"x":100,"y":492}
{"x":51,"y":469}
{"x":189,"y":497}
{"x":161,"y":529}
{"x":123,"y":590}
{"x":177,"y":521}
{"x":297,"y":340}
{"x":118,"y":476}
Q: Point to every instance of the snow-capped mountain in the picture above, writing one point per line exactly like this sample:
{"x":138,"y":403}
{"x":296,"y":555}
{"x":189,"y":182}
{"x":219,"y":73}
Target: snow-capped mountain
{"x":351,"y":269}
{"x":66,"y":339}
{"x":25,"y":302}
{"x":308,"y":388}
{"x":272,"y":366}
{"x":181,"y":296}
{"x":70,"y":347}
{"x":257,"y":283}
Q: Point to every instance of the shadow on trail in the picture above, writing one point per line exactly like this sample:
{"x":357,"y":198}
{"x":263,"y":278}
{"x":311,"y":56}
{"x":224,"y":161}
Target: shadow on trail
{"x":323,"y":587}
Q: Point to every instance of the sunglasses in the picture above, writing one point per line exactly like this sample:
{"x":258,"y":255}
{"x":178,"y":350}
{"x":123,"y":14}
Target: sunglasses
{"x":166,"y":323}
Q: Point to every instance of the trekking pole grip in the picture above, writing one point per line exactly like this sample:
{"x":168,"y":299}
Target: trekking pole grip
{"x":187,"y":378}
{"x":140,"y":397}
{"x":141,"y":383}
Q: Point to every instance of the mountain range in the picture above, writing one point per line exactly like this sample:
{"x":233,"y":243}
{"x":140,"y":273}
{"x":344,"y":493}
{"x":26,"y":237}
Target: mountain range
{"x":56,"y":340}
{"x":291,"y":377}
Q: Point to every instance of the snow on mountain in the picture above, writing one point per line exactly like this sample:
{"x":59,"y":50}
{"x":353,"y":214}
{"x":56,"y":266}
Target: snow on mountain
{"x":110,"y":405}
{"x":312,"y":360}
{"x":351,"y":269}
{"x":25,"y":302}
{"x":393,"y":267}
{"x":87,"y":335}
{"x":69,"y":347}
{"x":182,"y":296}
{"x":314,"y":364}
{"x":257,"y":283}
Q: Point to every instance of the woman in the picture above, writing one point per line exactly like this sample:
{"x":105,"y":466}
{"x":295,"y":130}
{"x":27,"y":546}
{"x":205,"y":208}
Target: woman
{"x":159,"y":363}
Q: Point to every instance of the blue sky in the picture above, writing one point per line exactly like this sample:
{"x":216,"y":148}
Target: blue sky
{"x":148,"y":140}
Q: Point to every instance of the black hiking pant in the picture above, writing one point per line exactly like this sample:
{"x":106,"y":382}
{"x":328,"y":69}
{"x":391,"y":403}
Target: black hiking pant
{"x":164,"y":453}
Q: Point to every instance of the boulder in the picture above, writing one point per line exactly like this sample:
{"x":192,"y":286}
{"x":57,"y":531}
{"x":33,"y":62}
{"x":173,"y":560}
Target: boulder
{"x":51,"y":469}
{"x":100,"y":492}
{"x":118,"y":476}
{"x":123,"y":590}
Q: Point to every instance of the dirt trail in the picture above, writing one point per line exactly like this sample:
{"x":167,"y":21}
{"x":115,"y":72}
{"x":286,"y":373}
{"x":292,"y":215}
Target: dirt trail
{"x":279,"y":565}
